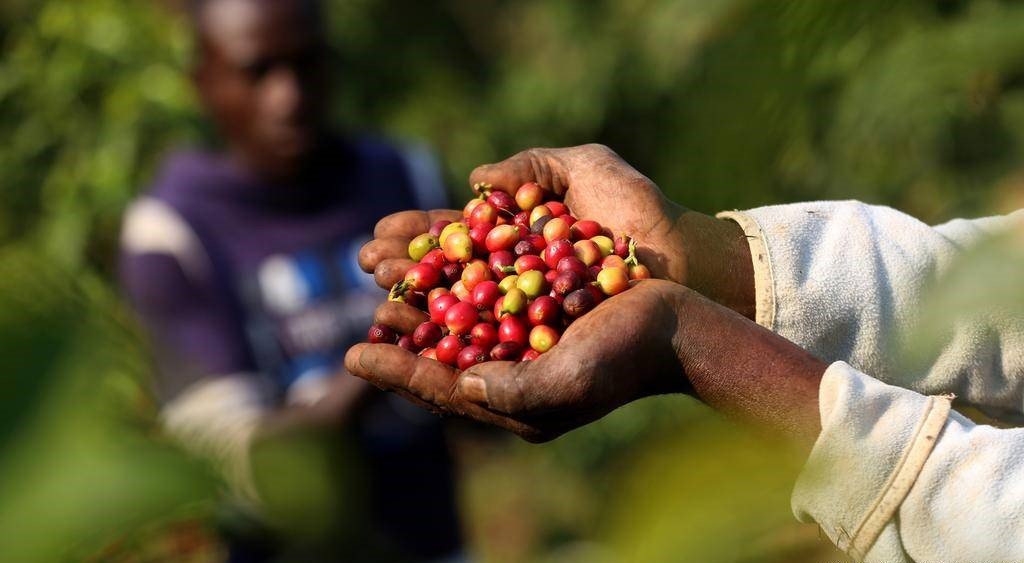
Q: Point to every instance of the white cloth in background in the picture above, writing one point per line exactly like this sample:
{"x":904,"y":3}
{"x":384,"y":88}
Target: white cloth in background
{"x":844,"y":280}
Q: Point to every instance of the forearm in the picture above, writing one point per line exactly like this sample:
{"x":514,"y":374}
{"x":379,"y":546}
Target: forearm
{"x":746,"y":371}
{"x":846,"y":281}
{"x":712,"y":257}
{"x":335,"y":409}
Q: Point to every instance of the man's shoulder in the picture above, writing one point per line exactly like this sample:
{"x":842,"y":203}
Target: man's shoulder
{"x":184,"y":174}
{"x":412,"y":167}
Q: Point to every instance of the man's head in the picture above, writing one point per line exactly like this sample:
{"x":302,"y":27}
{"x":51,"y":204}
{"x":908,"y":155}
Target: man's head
{"x":260,"y":72}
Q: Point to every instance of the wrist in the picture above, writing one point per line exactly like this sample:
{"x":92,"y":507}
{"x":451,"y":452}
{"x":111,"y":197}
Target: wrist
{"x":716,"y":261}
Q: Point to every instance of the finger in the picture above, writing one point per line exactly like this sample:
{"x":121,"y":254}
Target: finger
{"x":355,"y":367}
{"x":427,"y":383}
{"x":544,"y":166}
{"x":391,"y":271}
{"x":499,"y":386}
{"x":408,"y":224}
{"x":399,"y":316}
{"x":380,"y":249}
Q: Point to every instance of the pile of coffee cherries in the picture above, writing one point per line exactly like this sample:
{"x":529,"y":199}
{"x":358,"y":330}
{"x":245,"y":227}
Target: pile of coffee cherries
{"x":505,"y":281}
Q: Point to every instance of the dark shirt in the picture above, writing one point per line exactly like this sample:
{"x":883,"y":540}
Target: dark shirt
{"x":281,"y":298}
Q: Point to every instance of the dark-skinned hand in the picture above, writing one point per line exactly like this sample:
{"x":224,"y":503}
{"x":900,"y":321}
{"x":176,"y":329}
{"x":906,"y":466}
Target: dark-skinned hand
{"x":709,"y":255}
{"x":619,"y":352}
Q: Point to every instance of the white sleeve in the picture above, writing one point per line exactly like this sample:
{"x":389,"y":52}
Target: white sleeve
{"x":896,"y":476}
{"x":217,"y":418}
{"x":844,"y":280}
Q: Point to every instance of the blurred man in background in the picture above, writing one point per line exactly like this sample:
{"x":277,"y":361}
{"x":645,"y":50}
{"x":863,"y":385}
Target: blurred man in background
{"x":242,"y":264}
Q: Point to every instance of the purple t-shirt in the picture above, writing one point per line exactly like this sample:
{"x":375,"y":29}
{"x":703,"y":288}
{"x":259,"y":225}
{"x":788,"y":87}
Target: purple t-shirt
{"x":281,"y":298}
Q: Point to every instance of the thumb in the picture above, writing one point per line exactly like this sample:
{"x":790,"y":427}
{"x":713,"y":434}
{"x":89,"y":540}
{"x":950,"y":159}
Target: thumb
{"x":543,"y":166}
{"x":499,"y":386}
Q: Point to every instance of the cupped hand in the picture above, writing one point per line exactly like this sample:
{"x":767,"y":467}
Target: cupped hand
{"x":621,"y":351}
{"x":676,"y":244}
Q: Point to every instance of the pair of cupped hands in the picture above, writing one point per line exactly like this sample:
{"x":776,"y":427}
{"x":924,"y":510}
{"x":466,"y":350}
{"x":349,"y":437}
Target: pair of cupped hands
{"x":682,"y":332}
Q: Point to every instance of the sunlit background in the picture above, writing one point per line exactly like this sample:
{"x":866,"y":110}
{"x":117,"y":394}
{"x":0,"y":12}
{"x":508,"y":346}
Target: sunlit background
{"x":724,"y":103}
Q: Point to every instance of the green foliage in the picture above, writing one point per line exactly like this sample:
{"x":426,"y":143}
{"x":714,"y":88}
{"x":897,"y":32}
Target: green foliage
{"x":725,"y":103}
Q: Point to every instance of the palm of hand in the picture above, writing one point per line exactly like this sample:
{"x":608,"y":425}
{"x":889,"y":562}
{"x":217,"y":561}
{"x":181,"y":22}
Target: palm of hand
{"x":620,"y":351}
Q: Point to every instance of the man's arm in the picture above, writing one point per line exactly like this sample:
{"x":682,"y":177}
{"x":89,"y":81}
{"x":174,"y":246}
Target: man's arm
{"x":213,"y":400}
{"x":846,"y":281}
{"x":658,"y":337}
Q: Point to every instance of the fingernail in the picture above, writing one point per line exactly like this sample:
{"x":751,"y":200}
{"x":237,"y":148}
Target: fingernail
{"x":473,"y":389}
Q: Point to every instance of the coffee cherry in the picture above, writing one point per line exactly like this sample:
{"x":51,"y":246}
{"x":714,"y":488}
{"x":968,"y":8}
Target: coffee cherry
{"x":605,"y":244}
{"x":406,"y":343}
{"x":458,"y":247}
{"x":485,"y":294}
{"x":508,"y":283}
{"x":556,"y":229}
{"x":460,"y":318}
{"x":505,"y":351}
{"x":538,"y":212}
{"x":569,"y":219}
{"x":447,"y":350}
{"x":529,"y":195}
{"x":557,"y":208}
{"x":499,"y":309}
{"x":574,"y":264}
{"x":435,"y":258}
{"x":470,"y":356}
{"x":487,"y":316}
{"x":621,"y":247}
{"x":542,"y":338}
{"x":421,"y":277}
{"x":588,"y":252}
{"x":421,"y":245}
{"x":579,"y":303}
{"x":532,"y":283}
{"x":503,"y":237}
{"x":537,"y":227}
{"x":452,"y":272}
{"x":557,"y":250}
{"x":613,"y":281}
{"x":538,"y":242}
{"x":483,"y":335}
{"x":478,"y":234}
{"x":459,"y":290}
{"x":483,"y":213}
{"x":594,"y":270}
{"x":467,"y":210}
{"x":501,"y":264}
{"x":639,"y":272}
{"x":529,"y":355}
{"x":524,"y":247}
{"x":429,"y":353}
{"x":434,"y":294}
{"x":503,"y":202}
{"x":550,"y":275}
{"x":513,"y":303}
{"x":426,"y":334}
{"x":381,"y":334}
{"x":522,"y":219}
{"x":513,"y":329}
{"x":613,"y":261}
{"x":449,"y":229}
{"x":475,"y":272}
{"x":585,"y":229}
{"x":543,"y":310}
{"x":439,"y":226}
{"x":440,"y":306}
{"x":529,"y":262}
{"x":566,"y":282}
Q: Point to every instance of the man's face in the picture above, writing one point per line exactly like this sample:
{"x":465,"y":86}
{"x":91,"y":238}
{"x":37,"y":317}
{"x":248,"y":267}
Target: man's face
{"x":261,"y":78}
